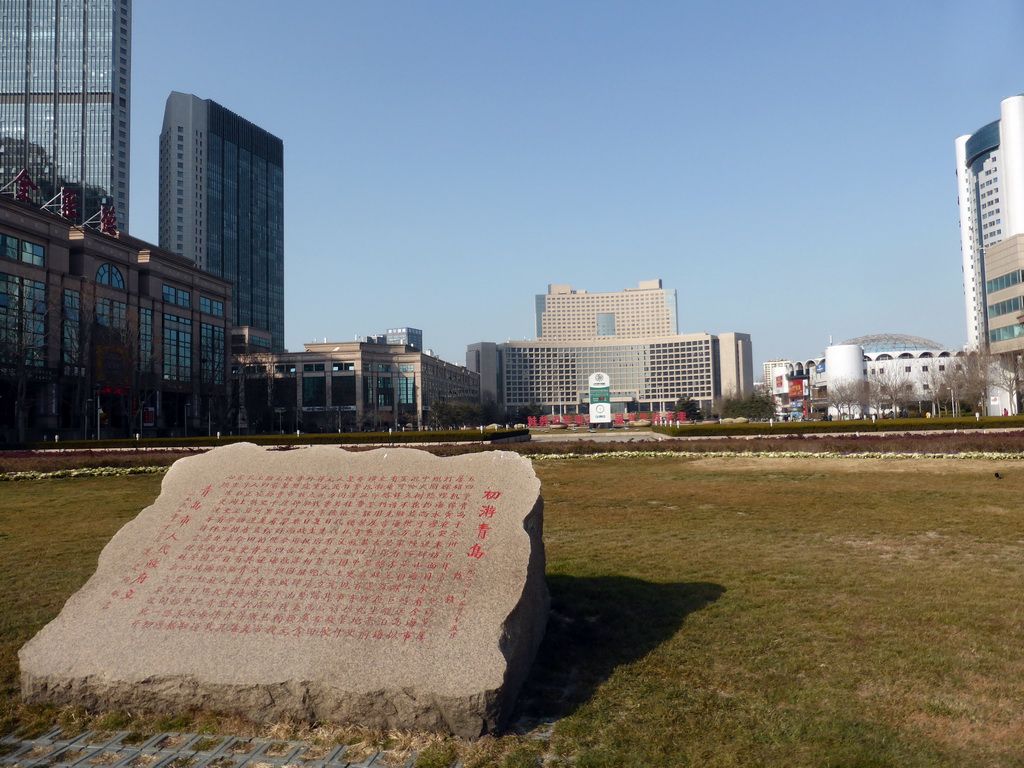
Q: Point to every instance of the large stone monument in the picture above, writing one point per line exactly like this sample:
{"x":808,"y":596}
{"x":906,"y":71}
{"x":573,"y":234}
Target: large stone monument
{"x":389,"y":588}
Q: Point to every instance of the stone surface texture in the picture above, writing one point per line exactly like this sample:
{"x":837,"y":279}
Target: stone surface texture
{"x":388,"y":588}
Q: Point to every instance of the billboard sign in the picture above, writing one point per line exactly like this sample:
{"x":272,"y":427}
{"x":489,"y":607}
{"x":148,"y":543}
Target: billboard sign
{"x":600,"y":398}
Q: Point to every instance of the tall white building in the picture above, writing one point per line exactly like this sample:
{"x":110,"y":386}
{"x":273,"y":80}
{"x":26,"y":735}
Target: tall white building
{"x":990,"y":177}
{"x":767,"y":369}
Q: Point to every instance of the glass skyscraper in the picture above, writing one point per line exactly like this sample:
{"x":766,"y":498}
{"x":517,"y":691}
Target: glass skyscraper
{"x":222,"y":205}
{"x":65,"y":99}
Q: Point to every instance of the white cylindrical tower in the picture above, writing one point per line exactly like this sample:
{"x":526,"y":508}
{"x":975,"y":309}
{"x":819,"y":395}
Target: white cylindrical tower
{"x":844,"y":362}
{"x":973,"y":294}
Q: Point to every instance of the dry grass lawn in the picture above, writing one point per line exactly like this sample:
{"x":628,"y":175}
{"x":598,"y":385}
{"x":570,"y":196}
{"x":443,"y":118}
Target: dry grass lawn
{"x":713,"y":612}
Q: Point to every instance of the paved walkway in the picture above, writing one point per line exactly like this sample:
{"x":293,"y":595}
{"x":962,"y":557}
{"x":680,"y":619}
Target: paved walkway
{"x":124,"y":749}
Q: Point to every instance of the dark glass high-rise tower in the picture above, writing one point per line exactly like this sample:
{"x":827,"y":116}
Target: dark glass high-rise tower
{"x":65,"y":99}
{"x":222,"y":205}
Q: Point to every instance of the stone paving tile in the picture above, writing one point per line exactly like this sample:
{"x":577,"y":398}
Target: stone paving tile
{"x":123,"y":749}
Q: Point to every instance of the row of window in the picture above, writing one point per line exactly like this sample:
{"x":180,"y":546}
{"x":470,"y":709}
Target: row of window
{"x":22,"y":321}
{"x":182,"y":298}
{"x":22,"y":250}
{"x":1004,"y":281}
{"x":314,"y":393}
{"x":178,"y":296}
{"x":1006,"y":333}
{"x":906,"y":369}
{"x":1004,"y":307}
{"x":210,"y":306}
{"x":23,"y":325}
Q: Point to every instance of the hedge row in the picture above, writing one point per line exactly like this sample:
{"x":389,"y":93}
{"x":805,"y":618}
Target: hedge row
{"x":840,"y":427}
{"x":329,"y":438}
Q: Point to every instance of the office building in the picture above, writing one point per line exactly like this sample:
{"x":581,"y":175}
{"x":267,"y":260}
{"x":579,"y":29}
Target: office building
{"x":222,"y":205}
{"x":65,"y":103}
{"x":990,"y":177}
{"x":650,"y":374}
{"x":105,"y":336}
{"x":347,"y":386}
{"x":645,"y":311}
{"x":631,"y":336}
{"x":485,"y":358}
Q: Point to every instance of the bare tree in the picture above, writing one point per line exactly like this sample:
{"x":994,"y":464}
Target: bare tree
{"x":254,"y":373}
{"x":76,"y":311}
{"x":974,"y":372}
{"x":961,"y":381}
{"x":890,"y":387}
{"x":28,"y":319}
{"x":133,"y":342}
{"x":845,"y":396}
{"x":940,"y":387}
{"x":1008,"y":374}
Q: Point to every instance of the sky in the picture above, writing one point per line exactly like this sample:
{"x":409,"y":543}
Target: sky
{"x":787,"y":167}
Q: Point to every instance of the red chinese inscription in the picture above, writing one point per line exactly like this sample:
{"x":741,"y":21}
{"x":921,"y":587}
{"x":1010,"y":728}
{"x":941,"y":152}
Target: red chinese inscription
{"x":359,"y":557}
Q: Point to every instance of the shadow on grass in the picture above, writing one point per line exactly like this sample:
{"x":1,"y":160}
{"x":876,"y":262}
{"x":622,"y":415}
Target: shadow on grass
{"x":596,"y":625}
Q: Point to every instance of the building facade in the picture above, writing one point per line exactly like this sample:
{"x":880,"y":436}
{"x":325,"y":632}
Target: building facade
{"x":222,"y":205}
{"x":885,"y":375}
{"x":768,"y":367}
{"x":648,"y":310}
{"x":65,"y":102}
{"x":650,"y":374}
{"x":105,"y":336}
{"x":990,"y":179}
{"x":347,"y":386}
{"x":632,"y":336}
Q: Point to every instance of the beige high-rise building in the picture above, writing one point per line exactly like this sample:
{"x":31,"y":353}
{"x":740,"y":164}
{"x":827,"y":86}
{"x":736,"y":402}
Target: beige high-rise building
{"x":642,"y":312}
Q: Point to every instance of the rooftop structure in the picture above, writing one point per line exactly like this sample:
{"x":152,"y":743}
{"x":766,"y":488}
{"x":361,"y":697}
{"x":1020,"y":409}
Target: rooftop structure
{"x":564,"y":314}
{"x":893,"y":342}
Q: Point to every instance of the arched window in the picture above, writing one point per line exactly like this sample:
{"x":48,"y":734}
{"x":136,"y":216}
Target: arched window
{"x":110,"y":275}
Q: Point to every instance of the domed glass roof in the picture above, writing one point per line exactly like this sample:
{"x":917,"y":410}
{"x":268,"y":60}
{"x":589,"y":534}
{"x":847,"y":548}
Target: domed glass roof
{"x":894,"y":342}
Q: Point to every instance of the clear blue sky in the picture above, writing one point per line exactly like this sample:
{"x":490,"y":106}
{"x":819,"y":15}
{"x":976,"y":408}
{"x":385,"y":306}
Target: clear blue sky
{"x":787,"y":166}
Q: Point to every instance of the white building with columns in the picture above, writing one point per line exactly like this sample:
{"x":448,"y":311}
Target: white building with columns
{"x":852,"y":378}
